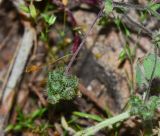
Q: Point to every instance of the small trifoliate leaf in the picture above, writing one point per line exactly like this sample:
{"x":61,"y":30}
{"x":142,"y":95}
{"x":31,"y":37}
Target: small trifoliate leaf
{"x":108,"y":6}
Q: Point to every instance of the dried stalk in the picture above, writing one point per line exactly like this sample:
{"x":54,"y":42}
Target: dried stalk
{"x":15,"y":75}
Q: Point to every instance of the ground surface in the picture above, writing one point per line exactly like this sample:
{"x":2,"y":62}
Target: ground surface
{"x":103,"y":79}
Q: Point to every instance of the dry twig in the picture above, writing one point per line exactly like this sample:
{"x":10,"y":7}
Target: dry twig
{"x":15,"y":75}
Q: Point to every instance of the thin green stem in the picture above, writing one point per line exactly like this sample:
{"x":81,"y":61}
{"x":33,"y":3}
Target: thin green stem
{"x":92,"y":130}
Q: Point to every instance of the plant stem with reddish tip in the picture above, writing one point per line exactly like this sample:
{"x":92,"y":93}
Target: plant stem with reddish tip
{"x":83,"y":41}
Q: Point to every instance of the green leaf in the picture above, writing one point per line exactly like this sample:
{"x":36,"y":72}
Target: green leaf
{"x":152,"y":8}
{"x":18,"y":127}
{"x":155,"y":6}
{"x":24,"y":8}
{"x":149,"y":64}
{"x":127,"y":32}
{"x":88,"y":116}
{"x":140,"y":77}
{"x":9,"y":128}
{"x":122,"y":55}
{"x":126,"y":53}
{"x":38,"y":113}
{"x":103,"y":21}
{"x":118,"y":22}
{"x":21,"y":116}
{"x":44,"y":36}
{"x":108,"y":6}
{"x":145,"y":68}
{"x":49,"y":19}
{"x":33,"y":11}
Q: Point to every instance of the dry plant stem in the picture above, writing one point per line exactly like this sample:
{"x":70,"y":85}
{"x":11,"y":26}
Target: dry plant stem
{"x":15,"y":75}
{"x":20,"y":62}
{"x":41,"y":98}
{"x":83,"y":41}
{"x":8,"y":73}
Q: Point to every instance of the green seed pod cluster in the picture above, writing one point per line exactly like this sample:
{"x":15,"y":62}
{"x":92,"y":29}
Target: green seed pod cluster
{"x":61,"y":86}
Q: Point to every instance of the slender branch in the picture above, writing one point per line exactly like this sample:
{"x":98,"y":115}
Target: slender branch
{"x":83,"y":41}
{"x":9,"y":90}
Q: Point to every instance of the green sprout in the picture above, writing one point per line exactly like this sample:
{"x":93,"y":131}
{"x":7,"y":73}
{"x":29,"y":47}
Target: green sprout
{"x":28,"y":122}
